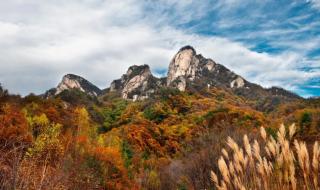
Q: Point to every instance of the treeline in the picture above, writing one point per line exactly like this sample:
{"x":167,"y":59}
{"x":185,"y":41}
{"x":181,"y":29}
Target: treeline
{"x":172,"y":141}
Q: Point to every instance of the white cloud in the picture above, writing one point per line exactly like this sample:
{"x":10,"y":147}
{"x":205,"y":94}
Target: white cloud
{"x":315,"y":3}
{"x":100,"y":39}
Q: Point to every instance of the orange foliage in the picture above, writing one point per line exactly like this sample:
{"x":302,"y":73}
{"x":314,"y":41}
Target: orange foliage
{"x":116,"y":175}
{"x":141,"y":138}
{"x":13,"y":126}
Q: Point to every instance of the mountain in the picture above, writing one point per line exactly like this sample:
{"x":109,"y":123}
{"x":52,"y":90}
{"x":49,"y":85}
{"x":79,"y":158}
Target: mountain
{"x":137,"y":84}
{"x":167,"y":136}
{"x":71,"y":81}
{"x":192,"y":72}
{"x":188,"y":71}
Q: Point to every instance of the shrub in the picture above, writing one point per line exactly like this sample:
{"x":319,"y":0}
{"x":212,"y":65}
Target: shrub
{"x":127,"y":153}
{"x":271,"y":164}
{"x":156,"y":113}
{"x":167,"y":93}
{"x":212,"y":113}
{"x":47,"y":145}
{"x":272,"y":132}
{"x":111,"y":115}
{"x":305,"y":120}
{"x":3,"y":92}
{"x":77,"y":97}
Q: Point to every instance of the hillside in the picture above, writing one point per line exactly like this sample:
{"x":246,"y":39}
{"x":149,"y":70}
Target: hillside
{"x":142,"y":132}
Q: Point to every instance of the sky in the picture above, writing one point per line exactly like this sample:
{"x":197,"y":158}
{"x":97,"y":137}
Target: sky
{"x":268,"y":42}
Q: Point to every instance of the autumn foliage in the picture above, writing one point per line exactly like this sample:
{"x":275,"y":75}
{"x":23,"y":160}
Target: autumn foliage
{"x":171,"y":141}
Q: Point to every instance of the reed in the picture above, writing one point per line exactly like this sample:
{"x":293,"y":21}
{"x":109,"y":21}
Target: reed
{"x":284,"y":163}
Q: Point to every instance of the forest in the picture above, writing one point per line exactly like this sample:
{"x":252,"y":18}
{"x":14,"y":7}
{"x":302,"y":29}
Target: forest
{"x":175,"y":140}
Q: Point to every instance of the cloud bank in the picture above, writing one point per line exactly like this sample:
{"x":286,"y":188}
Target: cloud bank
{"x":40,"y":41}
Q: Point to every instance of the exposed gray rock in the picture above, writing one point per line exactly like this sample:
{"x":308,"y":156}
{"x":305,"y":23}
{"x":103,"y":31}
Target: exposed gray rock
{"x":187,"y":69}
{"x":116,"y":84}
{"x":182,"y":67}
{"x":71,"y":81}
{"x":237,"y":83}
{"x":137,"y":84}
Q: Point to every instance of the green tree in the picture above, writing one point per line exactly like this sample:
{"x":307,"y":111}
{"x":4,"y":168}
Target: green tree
{"x":305,"y":120}
{"x":127,"y":153}
{"x":112,"y":115}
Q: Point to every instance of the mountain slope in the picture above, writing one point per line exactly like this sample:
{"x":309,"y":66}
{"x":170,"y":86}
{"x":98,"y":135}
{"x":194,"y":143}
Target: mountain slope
{"x":71,"y":81}
{"x":170,"y":138}
{"x":189,"y":71}
{"x":137,"y":84}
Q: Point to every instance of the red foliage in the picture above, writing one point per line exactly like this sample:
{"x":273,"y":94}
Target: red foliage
{"x":143,"y":139}
{"x":13,"y":126}
{"x":116,"y":175}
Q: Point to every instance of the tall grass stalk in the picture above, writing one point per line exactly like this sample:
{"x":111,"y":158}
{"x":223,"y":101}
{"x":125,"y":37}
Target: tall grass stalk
{"x":284,"y":163}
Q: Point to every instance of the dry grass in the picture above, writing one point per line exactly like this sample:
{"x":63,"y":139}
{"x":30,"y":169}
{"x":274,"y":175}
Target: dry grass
{"x":284,"y":163}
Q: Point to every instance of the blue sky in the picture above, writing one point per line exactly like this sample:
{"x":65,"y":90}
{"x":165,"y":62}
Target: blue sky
{"x":274,"y":27}
{"x":269,"y":42}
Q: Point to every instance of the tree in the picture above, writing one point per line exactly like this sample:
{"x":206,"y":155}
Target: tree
{"x":82,"y":120}
{"x":48,"y":146}
{"x":3,"y":92}
{"x":38,"y":123}
{"x":305,"y":120}
{"x":13,"y":126}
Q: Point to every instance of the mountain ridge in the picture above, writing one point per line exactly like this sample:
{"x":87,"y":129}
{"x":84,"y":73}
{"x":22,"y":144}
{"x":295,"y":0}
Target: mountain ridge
{"x":187,"y":71}
{"x":142,"y":122}
{"x":72,"y":81}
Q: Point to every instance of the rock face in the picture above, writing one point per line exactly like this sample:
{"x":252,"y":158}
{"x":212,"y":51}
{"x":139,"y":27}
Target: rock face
{"x":187,"y":69}
{"x":137,"y":84}
{"x":183,"y":67}
{"x":71,"y":81}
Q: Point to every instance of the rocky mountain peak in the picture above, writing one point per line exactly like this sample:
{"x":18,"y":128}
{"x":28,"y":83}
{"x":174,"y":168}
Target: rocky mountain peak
{"x":187,"y":70}
{"x":136,"y":70}
{"x":186,"y":66}
{"x":138,"y":83}
{"x":188,"y":48}
{"x":182,"y":66}
{"x":71,"y":81}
